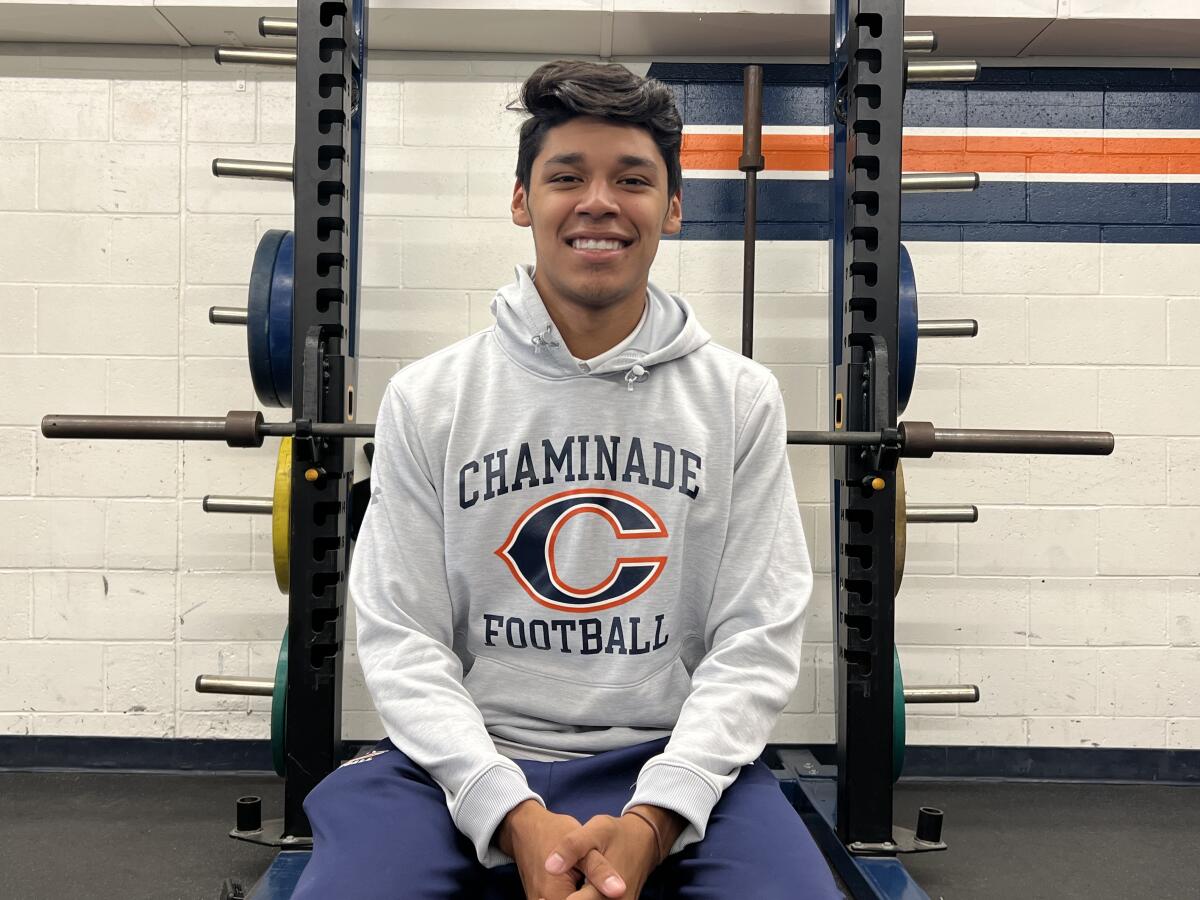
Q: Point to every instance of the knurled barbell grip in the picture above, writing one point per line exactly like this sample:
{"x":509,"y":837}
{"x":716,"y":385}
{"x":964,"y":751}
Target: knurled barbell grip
{"x":922,"y":439}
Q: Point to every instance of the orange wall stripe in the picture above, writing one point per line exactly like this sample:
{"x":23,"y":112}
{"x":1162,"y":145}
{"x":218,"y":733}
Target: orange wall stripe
{"x":1039,"y":155}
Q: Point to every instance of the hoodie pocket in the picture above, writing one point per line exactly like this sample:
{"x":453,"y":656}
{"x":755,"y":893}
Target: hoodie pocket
{"x":512,"y":696}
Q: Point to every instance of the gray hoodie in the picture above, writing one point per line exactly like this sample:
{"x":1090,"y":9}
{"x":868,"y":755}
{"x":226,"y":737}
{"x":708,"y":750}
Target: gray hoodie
{"x":562,"y":557}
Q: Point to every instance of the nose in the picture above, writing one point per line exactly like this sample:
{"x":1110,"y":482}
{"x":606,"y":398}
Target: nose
{"x":598,"y":200}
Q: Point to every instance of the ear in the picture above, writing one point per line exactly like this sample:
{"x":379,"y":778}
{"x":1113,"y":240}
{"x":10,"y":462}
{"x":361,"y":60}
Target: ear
{"x":673,"y":223}
{"x":520,"y":207}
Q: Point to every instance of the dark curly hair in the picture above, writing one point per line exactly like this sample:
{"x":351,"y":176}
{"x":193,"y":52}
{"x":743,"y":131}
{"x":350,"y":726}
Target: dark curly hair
{"x":564,"y":89}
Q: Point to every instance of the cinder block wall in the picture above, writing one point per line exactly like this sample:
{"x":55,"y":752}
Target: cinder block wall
{"x":1074,"y":602}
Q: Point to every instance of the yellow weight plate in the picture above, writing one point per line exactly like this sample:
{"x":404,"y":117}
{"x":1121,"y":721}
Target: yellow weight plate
{"x":901,"y":525}
{"x":281,"y":515}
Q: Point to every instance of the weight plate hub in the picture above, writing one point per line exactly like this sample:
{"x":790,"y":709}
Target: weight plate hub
{"x":906,"y":352}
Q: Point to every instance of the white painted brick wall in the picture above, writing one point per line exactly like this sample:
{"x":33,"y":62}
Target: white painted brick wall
{"x":1074,"y":602}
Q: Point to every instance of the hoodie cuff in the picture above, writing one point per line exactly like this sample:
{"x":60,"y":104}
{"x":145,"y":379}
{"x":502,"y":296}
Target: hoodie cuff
{"x":483,"y":805}
{"x":680,"y":789}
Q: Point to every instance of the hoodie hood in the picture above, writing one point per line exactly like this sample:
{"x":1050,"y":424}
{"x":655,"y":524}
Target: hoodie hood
{"x":668,"y":330}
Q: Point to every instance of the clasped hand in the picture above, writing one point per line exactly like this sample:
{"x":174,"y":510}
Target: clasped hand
{"x":614,"y":857}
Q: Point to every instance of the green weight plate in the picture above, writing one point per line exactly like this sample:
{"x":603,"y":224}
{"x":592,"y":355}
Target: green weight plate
{"x":898,"y":730}
{"x":279,"y":709}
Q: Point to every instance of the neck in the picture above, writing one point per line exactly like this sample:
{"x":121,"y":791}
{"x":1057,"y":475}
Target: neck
{"x":589,"y":331}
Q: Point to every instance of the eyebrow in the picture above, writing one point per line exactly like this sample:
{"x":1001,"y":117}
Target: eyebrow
{"x":574,"y":159}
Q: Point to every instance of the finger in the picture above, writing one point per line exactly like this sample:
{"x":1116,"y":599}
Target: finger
{"x":602,"y":875}
{"x":587,"y":892}
{"x":575,"y":845}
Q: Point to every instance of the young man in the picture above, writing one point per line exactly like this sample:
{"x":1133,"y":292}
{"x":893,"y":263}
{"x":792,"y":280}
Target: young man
{"x":581,"y":579}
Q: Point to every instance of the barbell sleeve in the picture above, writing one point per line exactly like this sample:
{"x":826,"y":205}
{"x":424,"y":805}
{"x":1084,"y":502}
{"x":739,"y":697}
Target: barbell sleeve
{"x":922,"y":440}
{"x":935,"y":182}
{"x":269,"y":27}
{"x":947,"y":328}
{"x":238,"y":428}
{"x":924,"y":71}
{"x":261,"y":56}
{"x":940,"y":513}
{"x":258,"y":506}
{"x":920,"y":42}
{"x":253,"y":168}
{"x":950,"y":693}
{"x":228,"y":315}
{"x":235,"y":684}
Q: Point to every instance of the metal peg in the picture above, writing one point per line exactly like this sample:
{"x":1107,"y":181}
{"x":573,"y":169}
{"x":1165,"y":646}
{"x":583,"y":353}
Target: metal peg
{"x":228,"y":315}
{"x":939,"y":70}
{"x":253,"y":168}
{"x":258,"y":506}
{"x":950,"y":693}
{"x":936,"y":182}
{"x":261,"y":56}
{"x":940,"y":513}
{"x":920,"y":42}
{"x":269,"y":27}
{"x":944,"y":328}
{"x":234,"y":684}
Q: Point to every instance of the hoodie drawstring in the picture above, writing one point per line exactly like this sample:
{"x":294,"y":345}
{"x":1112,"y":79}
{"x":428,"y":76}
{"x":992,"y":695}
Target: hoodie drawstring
{"x":539,"y":341}
{"x":635,"y":375}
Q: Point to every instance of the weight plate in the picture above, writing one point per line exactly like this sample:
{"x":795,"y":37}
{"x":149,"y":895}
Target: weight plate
{"x":899,"y":734}
{"x":279,"y":709}
{"x":279,"y":331}
{"x":258,"y":317}
{"x":906,"y":352}
{"x":281,"y":515}
{"x":901,"y":528}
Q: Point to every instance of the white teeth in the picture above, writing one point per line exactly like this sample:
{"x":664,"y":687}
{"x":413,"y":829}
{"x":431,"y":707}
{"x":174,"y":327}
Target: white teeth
{"x":591,"y":244}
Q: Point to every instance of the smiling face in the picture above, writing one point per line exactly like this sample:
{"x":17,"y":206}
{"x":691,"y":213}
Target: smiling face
{"x":597,"y":203}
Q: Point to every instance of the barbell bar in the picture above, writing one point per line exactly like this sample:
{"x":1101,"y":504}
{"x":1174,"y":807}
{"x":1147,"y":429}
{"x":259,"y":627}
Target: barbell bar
{"x":261,"y":56}
{"x":923,"y":439}
{"x":246,"y":428}
{"x":254,"y":168}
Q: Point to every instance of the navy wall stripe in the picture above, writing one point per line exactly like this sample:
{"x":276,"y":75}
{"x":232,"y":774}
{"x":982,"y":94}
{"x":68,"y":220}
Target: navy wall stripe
{"x":797,"y":204}
{"x":1168,"y":99}
{"x":19,"y":752}
{"x":1075,"y":234}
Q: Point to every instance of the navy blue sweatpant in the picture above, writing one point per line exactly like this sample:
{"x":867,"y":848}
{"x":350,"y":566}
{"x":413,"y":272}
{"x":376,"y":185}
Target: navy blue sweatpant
{"x":382,"y":831}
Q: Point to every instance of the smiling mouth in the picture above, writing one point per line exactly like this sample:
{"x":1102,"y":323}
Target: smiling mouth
{"x":591,"y":248}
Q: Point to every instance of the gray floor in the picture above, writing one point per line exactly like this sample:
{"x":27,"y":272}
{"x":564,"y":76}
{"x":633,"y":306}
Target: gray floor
{"x":163,"y":837}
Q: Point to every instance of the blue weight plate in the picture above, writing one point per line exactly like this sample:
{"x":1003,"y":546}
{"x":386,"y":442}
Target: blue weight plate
{"x":258,"y":317}
{"x":906,"y":352}
{"x":280,"y":330}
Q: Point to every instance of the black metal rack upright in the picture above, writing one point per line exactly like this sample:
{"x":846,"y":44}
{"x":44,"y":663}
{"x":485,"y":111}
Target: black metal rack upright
{"x":330,"y":71}
{"x":869,"y":82}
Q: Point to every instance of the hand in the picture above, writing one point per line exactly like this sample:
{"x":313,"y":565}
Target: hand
{"x":626,"y":848}
{"x":529,"y":833}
